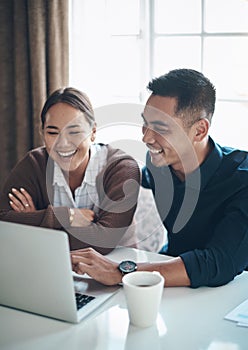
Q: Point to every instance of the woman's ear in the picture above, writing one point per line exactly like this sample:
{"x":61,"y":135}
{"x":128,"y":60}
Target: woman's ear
{"x":93,"y":133}
{"x":201,"y":129}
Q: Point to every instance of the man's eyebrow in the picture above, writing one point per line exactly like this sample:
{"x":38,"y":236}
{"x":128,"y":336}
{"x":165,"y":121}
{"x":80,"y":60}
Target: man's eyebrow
{"x":156,"y":122}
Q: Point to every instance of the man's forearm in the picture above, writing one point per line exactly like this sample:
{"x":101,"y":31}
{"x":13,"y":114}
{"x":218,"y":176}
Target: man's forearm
{"x":173,"y":270}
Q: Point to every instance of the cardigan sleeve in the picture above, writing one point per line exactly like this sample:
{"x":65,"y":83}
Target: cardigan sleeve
{"x":118,"y":189}
{"x":30,"y":173}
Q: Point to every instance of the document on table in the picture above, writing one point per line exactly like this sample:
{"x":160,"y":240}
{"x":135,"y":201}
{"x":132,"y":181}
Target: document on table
{"x":239,"y":314}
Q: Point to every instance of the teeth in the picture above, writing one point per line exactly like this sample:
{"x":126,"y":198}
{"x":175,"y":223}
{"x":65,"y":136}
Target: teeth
{"x":155,"y":151}
{"x":66,"y":154}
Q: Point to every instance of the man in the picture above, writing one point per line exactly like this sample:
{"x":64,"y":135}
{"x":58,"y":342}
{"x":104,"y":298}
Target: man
{"x":200,"y":189}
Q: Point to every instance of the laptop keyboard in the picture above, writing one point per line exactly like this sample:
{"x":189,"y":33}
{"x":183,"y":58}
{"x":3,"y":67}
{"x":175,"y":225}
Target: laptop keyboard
{"x":82,"y":300}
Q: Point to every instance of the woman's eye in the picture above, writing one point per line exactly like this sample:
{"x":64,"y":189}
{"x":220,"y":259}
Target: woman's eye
{"x":75,"y":132}
{"x":52,"y":133}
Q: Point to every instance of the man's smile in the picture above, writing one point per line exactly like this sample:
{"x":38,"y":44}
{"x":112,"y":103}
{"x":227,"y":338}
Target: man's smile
{"x":155,"y":151}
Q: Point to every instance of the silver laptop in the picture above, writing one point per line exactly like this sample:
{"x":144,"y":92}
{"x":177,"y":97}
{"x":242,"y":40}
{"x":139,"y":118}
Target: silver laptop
{"x":36,"y":275}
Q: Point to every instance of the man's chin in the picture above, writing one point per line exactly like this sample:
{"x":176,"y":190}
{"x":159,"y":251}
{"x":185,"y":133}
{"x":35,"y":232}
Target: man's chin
{"x":158,"y":162}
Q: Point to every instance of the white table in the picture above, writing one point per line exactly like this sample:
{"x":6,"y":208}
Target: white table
{"x":189,"y":319}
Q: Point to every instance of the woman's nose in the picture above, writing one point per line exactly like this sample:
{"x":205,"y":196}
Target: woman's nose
{"x":62,"y":141}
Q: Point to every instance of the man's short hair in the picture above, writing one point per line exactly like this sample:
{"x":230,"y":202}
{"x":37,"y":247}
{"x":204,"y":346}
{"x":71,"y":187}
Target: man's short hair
{"x":194,"y":92}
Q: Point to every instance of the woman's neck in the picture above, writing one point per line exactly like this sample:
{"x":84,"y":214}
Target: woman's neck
{"x":75,"y":177}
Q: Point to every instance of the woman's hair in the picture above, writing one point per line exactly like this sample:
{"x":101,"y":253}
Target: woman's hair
{"x":72,"y":97}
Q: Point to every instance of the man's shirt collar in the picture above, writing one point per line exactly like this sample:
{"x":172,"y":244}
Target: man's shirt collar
{"x":200,"y":177}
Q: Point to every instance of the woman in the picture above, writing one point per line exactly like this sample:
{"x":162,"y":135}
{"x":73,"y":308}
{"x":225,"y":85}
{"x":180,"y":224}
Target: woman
{"x":90,"y":190}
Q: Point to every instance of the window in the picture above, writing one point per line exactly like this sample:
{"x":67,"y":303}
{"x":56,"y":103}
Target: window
{"x":117,"y":46}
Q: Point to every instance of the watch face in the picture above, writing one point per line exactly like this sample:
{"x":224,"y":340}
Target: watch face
{"x":127,"y":266}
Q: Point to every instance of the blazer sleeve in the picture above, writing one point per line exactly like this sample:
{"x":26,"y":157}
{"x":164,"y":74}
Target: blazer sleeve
{"x":225,"y":255}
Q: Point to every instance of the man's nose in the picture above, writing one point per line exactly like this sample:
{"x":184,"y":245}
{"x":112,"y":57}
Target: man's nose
{"x":148,"y":136}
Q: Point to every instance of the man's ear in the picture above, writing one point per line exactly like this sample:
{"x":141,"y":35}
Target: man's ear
{"x":201,"y":129}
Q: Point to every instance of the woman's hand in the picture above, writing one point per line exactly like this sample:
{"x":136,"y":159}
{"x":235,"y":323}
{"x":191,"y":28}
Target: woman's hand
{"x":95,"y":265}
{"x":21,"y":201}
{"x":82,"y":217}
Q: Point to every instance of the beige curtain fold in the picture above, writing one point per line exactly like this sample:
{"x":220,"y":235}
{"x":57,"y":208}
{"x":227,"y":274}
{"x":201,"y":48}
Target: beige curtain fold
{"x":34,"y":55}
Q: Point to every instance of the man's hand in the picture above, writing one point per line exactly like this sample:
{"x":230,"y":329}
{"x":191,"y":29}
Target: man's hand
{"x":106,"y":271}
{"x":95,"y":265}
{"x":21,"y":201}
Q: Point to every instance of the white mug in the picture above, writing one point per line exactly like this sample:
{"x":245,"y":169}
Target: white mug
{"x":143,"y":291}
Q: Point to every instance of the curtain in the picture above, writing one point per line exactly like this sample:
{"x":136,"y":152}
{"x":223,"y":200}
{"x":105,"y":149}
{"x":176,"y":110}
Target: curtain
{"x":33,"y":62}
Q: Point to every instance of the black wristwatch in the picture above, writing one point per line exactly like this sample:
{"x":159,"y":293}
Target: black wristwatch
{"x":127,"y":266}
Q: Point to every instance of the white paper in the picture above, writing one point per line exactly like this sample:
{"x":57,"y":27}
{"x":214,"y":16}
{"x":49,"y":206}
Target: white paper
{"x":239,"y":314}
{"x":242,"y":324}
